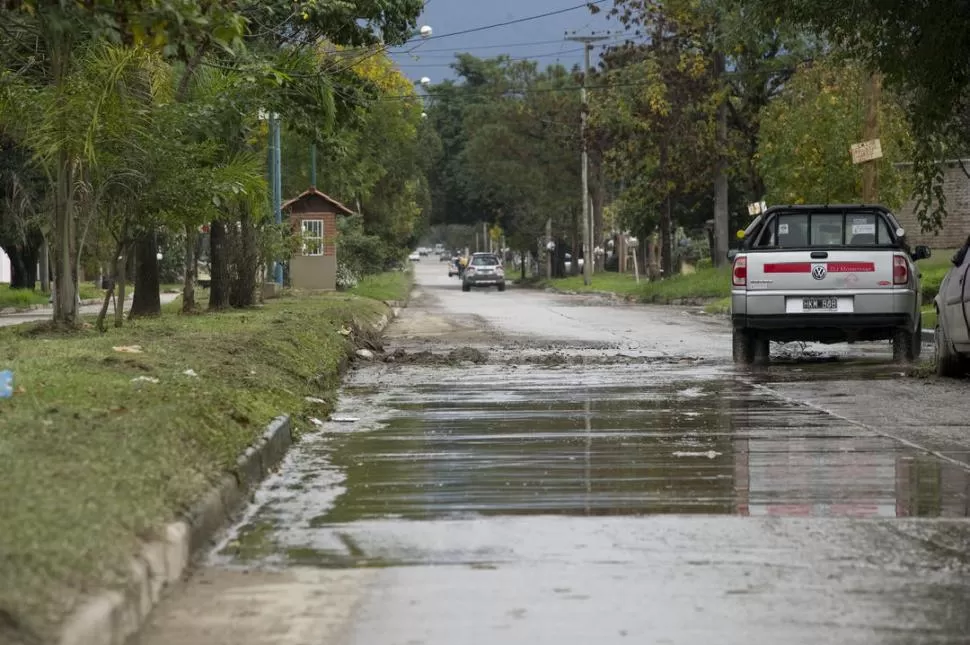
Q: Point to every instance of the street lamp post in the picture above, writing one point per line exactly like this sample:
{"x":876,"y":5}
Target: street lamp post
{"x":275,"y":179}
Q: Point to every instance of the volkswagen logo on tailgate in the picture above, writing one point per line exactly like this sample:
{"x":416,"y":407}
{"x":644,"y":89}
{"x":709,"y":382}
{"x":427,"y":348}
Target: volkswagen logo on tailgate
{"x":818,"y":271}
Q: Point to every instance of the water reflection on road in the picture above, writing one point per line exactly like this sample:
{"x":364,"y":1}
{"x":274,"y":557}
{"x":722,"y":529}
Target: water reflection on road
{"x":619,"y":440}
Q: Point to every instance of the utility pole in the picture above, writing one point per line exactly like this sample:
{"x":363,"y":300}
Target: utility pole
{"x":274,"y":122}
{"x":870,"y":177}
{"x":587,"y":219}
{"x":548,"y":250}
{"x":313,"y":166}
{"x":721,"y":213}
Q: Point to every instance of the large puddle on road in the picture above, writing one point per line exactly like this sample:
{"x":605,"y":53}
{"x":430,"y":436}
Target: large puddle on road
{"x":422,"y":443}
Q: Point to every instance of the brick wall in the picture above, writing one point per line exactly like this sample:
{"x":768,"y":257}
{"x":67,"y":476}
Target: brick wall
{"x":956,"y":226}
{"x":330,"y":234}
{"x":329,"y":229}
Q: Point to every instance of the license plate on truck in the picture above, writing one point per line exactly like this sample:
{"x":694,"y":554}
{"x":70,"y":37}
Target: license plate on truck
{"x":820,"y":304}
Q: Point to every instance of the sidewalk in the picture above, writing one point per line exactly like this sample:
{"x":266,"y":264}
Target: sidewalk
{"x":40,"y":313}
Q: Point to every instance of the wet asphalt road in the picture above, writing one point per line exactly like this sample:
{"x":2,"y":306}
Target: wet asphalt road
{"x":606,"y":475}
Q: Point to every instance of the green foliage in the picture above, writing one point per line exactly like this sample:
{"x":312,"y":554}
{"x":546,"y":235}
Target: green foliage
{"x":657,"y":117}
{"x":806,"y":133}
{"x":99,"y":460}
{"x":508,"y":136}
{"x":922,"y":50}
{"x":391,"y":286}
{"x":361,"y":253}
{"x":700,"y":285}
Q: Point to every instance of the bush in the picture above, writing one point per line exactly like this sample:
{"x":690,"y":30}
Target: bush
{"x":346,"y":277}
{"x":360,"y":253}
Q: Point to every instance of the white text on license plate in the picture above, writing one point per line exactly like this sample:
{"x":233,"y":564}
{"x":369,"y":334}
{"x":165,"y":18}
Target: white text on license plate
{"x":820,"y":304}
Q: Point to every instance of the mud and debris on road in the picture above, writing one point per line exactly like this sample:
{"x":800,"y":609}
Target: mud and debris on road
{"x":515,"y":468}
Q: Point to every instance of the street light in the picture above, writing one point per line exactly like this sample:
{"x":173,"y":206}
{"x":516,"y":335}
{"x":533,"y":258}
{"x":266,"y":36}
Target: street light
{"x":425,"y":31}
{"x":275,"y":179}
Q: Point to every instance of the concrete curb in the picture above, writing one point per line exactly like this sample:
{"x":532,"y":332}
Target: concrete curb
{"x":112,"y":617}
{"x":929,"y":335}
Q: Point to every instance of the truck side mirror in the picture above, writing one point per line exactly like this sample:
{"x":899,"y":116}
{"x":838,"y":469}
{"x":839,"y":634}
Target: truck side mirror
{"x":921,"y":253}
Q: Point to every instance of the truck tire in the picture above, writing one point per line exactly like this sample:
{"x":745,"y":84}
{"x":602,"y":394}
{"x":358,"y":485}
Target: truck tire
{"x":466,"y":287}
{"x":501,"y":286}
{"x":907,"y":344}
{"x":762,"y":349}
{"x":949,"y":364}
{"x":742,"y":346}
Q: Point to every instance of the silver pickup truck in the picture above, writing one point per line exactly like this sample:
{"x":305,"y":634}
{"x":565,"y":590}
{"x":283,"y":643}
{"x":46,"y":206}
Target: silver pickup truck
{"x":829,"y":274}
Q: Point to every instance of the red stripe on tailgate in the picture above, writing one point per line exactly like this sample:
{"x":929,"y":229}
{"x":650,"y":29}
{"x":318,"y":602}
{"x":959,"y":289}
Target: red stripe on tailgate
{"x":851,"y":267}
{"x":789,"y":267}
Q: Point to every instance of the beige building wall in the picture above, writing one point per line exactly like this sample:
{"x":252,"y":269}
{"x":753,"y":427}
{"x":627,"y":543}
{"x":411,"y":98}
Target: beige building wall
{"x":314,"y":272}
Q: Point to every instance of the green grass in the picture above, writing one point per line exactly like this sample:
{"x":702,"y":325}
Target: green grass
{"x":715,"y":283}
{"x":704,"y":284}
{"x":722,"y":306}
{"x":390,"y":286}
{"x":933,"y":270}
{"x":20,"y":298}
{"x":93,"y":459}
{"x":24,"y":298}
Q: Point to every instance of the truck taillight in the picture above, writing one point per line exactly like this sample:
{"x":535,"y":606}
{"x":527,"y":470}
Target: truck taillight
{"x":900,"y":269}
{"x":740,"y":275}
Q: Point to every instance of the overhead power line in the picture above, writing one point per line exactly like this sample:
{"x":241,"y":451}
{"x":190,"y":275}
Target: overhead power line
{"x":516,"y":21}
{"x":515,"y":59}
{"x":368,"y":53}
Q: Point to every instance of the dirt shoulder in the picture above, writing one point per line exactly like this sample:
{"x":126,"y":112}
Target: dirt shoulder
{"x":107,"y":437}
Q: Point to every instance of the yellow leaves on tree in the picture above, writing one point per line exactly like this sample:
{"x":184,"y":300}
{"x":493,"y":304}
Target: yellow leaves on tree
{"x":806,"y":133}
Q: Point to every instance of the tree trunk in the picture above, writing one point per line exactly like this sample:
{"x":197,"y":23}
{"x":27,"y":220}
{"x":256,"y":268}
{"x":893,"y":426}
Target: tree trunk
{"x":666,"y":245}
{"x":45,"y":267}
{"x":122,"y":284}
{"x":65,"y":244}
{"x":188,"y":284}
{"x":598,"y":198}
{"x":219,"y":261}
{"x":147,"y":301}
{"x":242,"y":290}
{"x":23,"y":265}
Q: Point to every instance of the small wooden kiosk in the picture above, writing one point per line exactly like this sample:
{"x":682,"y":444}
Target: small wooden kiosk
{"x":313,"y":215}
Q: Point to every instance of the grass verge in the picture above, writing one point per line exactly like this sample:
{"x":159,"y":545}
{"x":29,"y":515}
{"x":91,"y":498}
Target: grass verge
{"x":24,"y":298}
{"x":716,"y":283}
{"x":99,"y":447}
{"x":390,"y":286}
{"x":703,"y":284}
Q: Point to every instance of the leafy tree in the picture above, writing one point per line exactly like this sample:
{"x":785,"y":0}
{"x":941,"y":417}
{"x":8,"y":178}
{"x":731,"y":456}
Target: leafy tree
{"x":806,"y":134}
{"x":38,"y":46}
{"x":657,"y":115}
{"x":922,"y":50}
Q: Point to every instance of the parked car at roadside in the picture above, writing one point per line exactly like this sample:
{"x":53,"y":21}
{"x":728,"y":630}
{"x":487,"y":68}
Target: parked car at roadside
{"x":483,"y":270}
{"x":829,"y":274}
{"x":952,"y":333}
{"x":414,"y":257}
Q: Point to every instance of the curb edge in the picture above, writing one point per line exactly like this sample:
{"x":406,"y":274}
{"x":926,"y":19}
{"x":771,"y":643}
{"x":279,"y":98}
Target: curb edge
{"x":111,"y":617}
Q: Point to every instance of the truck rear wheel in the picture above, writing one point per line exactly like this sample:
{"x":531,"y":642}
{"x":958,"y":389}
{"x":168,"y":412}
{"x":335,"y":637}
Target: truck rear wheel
{"x":907,"y":344}
{"x":750,"y":347}
{"x":742,"y":345}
